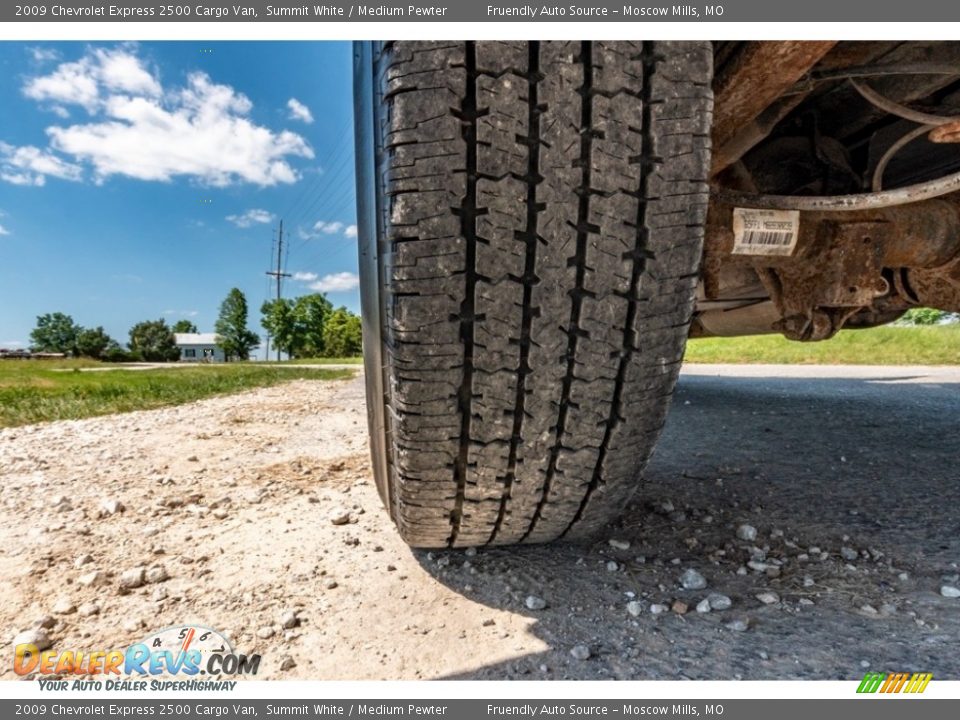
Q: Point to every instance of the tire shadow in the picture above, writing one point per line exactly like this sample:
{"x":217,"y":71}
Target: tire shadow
{"x":852,"y":486}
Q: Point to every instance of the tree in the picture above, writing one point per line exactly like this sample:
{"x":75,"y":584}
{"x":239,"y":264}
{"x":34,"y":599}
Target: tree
{"x":232,"y":333}
{"x":278,"y":320}
{"x":93,"y":343}
{"x":184,"y":326}
{"x":343,"y":334}
{"x":153,"y":341}
{"x":310,"y":316}
{"x":925,"y":316}
{"x":55,"y":332}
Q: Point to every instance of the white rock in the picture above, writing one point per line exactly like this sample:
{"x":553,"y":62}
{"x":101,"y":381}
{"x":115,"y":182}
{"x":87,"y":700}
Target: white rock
{"x":289,"y":619}
{"x":619,"y":544}
{"x":92,"y":579}
{"x":768,"y":598}
{"x":635,"y":608}
{"x":703,"y":606}
{"x":747,"y":532}
{"x":658,"y":608}
{"x":159,"y":594}
{"x":156,"y":574}
{"x":848,"y":553}
{"x":692,"y":580}
{"x":580,"y":652}
{"x":133,"y":578}
{"x":64,"y":606}
{"x":35,"y":636}
{"x":88,"y":610}
{"x":719,"y":602}
{"x":738,"y":625}
{"x":949,"y":591}
{"x":265,"y":632}
{"x":340,"y":516}
{"x":110,"y":507}
{"x":613,"y":566}
{"x":535,"y":603}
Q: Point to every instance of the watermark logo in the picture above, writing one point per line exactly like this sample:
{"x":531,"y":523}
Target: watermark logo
{"x":876,"y":682}
{"x":179,"y":651}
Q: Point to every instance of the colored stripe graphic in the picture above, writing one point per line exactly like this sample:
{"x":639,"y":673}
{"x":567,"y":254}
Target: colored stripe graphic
{"x":894,"y":682}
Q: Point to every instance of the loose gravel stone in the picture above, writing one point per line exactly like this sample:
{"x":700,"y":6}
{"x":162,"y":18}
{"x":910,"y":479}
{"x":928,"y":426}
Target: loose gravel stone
{"x":635,"y":608}
{"x":658,"y":608}
{"x":156,"y":574}
{"x":340,"y":516}
{"x":949,"y":591}
{"x":92,"y":579}
{"x":679,"y":607}
{"x":132,"y":578}
{"x":110,"y":507}
{"x":287,"y":663}
{"x":613,"y":566}
{"x":619,"y":544}
{"x":738,"y":625}
{"x":768,"y":598}
{"x":703,"y":606}
{"x":34,"y":636}
{"x":580,"y":652}
{"x":266,"y":632}
{"x":692,"y":580}
{"x":289,"y":619}
{"x":64,"y":606}
{"x":84,"y":559}
{"x":719,"y":602}
{"x":88,"y":610}
{"x":848,"y":553}
{"x":747,"y":532}
{"x":535,"y":603}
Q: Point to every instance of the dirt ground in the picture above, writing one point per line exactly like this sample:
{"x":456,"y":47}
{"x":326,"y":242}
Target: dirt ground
{"x":848,"y":485}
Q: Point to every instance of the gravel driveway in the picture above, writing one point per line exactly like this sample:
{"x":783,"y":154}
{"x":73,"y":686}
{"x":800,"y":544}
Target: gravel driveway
{"x":794,"y":523}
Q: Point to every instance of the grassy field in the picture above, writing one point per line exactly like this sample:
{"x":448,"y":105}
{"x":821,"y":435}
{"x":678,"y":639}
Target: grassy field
{"x":891,"y":345}
{"x":320,"y":361}
{"x":34,"y":391}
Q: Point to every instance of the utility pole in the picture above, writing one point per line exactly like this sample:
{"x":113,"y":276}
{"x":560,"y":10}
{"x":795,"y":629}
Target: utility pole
{"x":278,"y":274}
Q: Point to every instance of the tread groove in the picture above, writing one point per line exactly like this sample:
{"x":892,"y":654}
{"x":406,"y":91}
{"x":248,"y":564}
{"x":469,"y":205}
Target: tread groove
{"x":574,"y":332}
{"x":530,"y":239}
{"x":468,"y":212}
{"x":638,"y":256}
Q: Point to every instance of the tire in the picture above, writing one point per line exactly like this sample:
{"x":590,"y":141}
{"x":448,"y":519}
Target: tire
{"x":531,"y":220}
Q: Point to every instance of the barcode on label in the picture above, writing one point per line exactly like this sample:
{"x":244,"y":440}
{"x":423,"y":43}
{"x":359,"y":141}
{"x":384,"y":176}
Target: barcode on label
{"x":760,"y":237}
{"x":765,"y":232}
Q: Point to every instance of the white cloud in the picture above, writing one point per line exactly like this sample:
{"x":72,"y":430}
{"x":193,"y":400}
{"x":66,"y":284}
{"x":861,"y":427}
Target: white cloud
{"x":12,"y":343}
{"x":29,"y":165}
{"x":4,"y":231}
{"x":351,"y":231}
{"x":304,"y":276}
{"x":141,"y":130}
{"x":299,"y":111}
{"x":40,"y":54}
{"x":89,"y":81}
{"x":328,"y":228}
{"x":336,"y":282}
{"x":251,"y":217}
{"x":182,"y":313}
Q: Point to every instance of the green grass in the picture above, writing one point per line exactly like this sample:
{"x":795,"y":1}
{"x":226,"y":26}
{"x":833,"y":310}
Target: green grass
{"x":33,"y":391}
{"x":890,"y":345}
{"x":320,"y":361}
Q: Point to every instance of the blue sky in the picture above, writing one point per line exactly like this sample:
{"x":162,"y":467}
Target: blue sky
{"x":145,"y":180}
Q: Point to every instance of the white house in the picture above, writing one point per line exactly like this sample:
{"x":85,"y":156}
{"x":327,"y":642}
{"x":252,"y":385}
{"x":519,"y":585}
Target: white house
{"x":198,"y":347}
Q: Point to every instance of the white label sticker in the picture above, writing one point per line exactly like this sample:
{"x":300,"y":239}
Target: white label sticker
{"x":765,"y":232}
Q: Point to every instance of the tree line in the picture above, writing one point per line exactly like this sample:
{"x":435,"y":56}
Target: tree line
{"x":307,"y":326}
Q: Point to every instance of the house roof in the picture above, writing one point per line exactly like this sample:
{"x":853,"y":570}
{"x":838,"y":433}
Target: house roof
{"x":195,"y":338}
